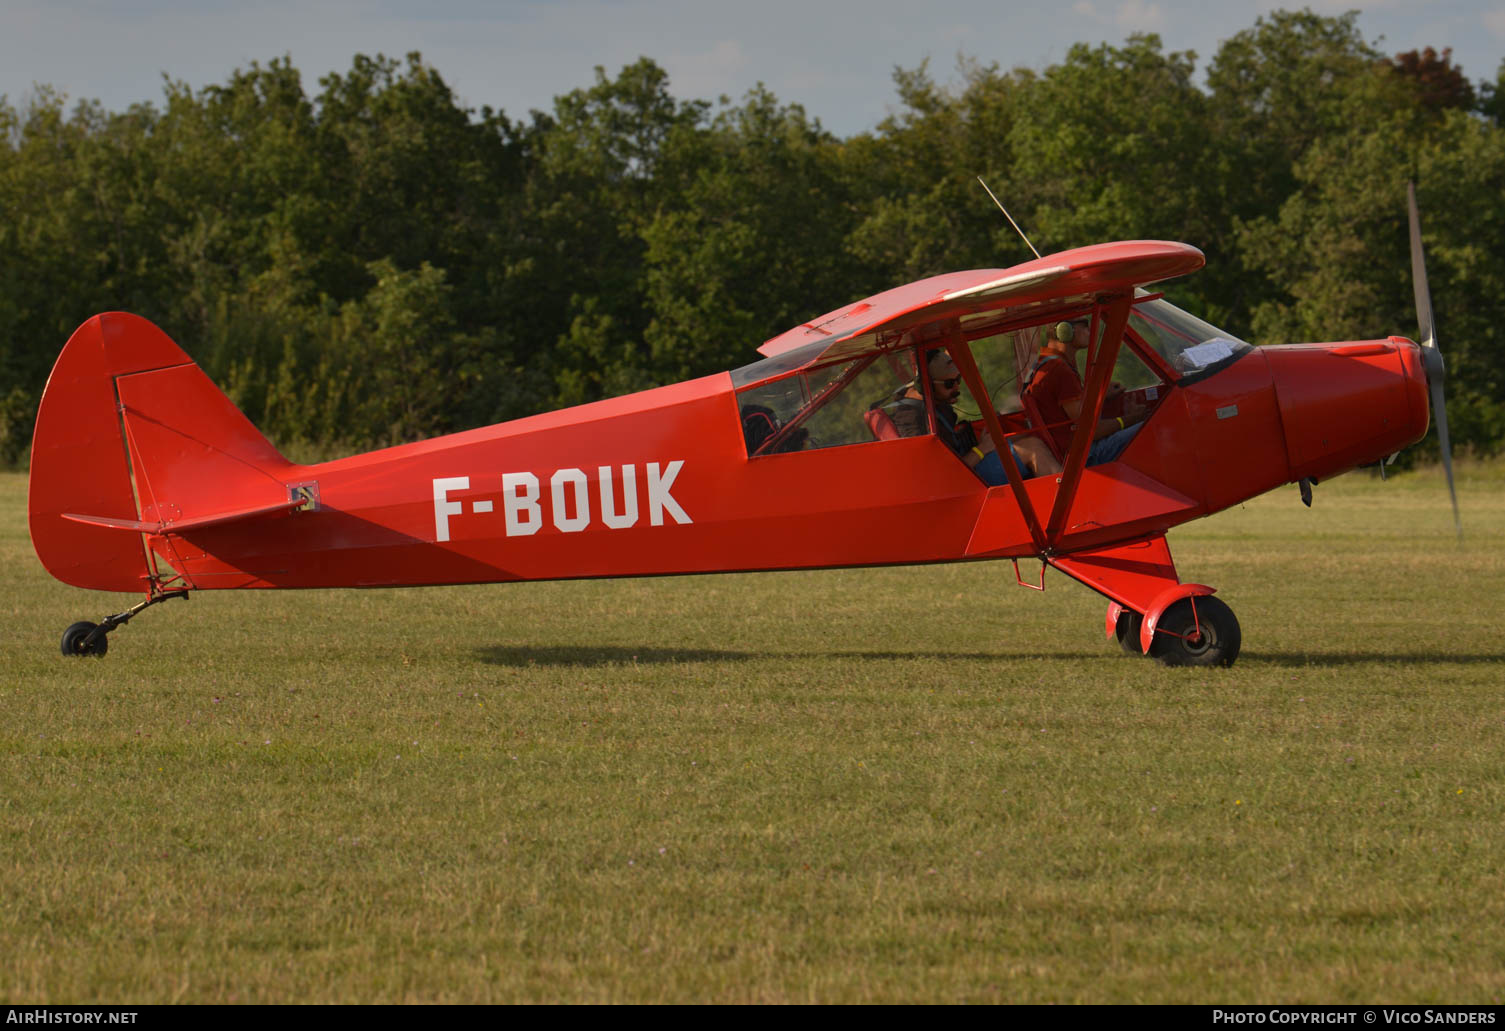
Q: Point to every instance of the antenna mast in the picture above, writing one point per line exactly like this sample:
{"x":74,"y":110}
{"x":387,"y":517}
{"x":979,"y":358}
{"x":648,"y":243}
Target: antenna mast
{"x":1009,"y":217}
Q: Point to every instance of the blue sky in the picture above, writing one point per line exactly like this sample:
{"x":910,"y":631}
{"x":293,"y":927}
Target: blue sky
{"x":835,"y":57}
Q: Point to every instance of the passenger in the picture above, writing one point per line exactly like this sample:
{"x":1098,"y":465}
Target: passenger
{"x":1056,"y":389}
{"x":977,"y":451}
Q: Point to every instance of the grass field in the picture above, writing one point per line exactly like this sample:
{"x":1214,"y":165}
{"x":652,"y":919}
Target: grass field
{"x":912,"y":784}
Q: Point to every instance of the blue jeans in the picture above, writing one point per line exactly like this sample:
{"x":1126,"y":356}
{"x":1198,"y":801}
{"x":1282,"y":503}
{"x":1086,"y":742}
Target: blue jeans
{"x":1111,"y":446}
{"x":990,"y":469}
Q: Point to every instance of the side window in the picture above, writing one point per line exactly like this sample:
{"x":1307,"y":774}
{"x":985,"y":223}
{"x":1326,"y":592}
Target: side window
{"x":998,"y":359}
{"x":767,"y":410}
{"x":1128,"y":368}
{"x":845,"y":419}
{"x":850,"y":403}
{"x":1131,"y":371}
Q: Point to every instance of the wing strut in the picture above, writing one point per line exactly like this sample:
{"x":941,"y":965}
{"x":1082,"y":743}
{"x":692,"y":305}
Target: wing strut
{"x":961,"y":353}
{"x":1100,"y":361}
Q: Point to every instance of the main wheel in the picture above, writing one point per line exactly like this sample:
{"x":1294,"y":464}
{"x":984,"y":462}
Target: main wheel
{"x":1208,"y":638}
{"x":1126,"y":631}
{"x":76,"y":640}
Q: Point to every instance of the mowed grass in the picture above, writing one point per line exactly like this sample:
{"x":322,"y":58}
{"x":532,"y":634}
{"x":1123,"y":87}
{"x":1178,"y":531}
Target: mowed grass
{"x":909,"y":784}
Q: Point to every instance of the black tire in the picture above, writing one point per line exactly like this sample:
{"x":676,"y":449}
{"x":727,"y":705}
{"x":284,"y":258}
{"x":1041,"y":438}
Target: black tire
{"x":1126,"y":631}
{"x":76,"y":640}
{"x":1217,"y":645}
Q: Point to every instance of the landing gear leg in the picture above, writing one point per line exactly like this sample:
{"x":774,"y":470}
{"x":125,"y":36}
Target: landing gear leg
{"x":86,"y":638}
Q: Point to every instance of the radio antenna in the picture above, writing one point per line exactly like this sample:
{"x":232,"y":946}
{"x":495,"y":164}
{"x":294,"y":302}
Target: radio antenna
{"x":1009,"y":217}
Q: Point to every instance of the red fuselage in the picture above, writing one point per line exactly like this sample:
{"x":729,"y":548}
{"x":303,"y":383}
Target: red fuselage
{"x":660,"y":482}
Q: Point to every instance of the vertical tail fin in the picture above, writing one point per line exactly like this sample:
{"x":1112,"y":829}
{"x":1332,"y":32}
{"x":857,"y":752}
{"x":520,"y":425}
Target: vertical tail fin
{"x":132,"y":436}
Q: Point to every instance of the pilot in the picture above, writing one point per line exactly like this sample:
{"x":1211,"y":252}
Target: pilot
{"x":1056,"y":388}
{"x":976,"y":450}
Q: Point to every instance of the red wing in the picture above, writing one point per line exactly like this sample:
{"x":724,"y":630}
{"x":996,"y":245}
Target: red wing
{"x":1102,"y":268}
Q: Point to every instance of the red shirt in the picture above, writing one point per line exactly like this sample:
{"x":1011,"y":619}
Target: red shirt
{"x":1055,"y":382}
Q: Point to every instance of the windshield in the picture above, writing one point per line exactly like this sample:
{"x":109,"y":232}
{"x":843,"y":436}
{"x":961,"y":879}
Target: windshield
{"x":1191,"y":347}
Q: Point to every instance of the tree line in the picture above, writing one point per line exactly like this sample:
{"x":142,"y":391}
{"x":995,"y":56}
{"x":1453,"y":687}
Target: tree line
{"x":376,"y":263}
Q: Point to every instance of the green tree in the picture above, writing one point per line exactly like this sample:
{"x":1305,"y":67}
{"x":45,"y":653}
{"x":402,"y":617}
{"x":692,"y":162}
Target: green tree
{"x":1112,"y":144}
{"x":408,"y":174}
{"x":748,"y":241}
{"x":916,"y":178}
{"x":1275,"y":89}
{"x":1492,"y":97}
{"x":1340,"y":246}
{"x":1278,"y":87}
{"x":1109,"y":145}
{"x":595,"y":182}
{"x":76,"y":236}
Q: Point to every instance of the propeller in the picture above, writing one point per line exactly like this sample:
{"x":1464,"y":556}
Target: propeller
{"x":1430,"y":354}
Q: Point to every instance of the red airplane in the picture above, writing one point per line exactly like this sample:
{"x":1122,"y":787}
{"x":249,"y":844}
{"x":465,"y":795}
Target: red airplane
{"x":146,"y":478}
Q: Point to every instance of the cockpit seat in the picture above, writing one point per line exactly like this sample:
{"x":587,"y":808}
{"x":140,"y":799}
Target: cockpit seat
{"x":758,"y":424}
{"x":880,"y":425}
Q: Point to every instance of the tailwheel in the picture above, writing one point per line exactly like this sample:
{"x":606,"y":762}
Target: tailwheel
{"x":1126,"y":631}
{"x":85,"y":638}
{"x":1198,"y":631}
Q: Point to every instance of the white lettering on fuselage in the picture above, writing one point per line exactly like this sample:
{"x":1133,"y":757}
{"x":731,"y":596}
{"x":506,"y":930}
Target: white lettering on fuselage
{"x":629,"y":514}
{"x":443,"y":507}
{"x":582,"y":517}
{"x":569,"y":499}
{"x":659,"y":499}
{"x":520,"y":502}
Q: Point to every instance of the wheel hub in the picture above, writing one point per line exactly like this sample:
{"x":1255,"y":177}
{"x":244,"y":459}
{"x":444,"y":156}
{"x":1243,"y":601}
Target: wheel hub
{"x":1199,"y":642}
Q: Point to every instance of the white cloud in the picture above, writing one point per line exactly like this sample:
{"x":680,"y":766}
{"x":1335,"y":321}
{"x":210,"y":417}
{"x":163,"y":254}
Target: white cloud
{"x":1128,"y":16}
{"x":1494,"y":21}
{"x":1326,"y":8}
{"x":722,"y":68}
{"x":1138,"y":16}
{"x":954,"y":35}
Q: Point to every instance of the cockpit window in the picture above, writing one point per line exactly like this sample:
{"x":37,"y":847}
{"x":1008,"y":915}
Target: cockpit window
{"x":767,"y":368}
{"x":851,"y":402}
{"x":1000,"y":357}
{"x":1192,"y":348}
{"x":1130,"y":371}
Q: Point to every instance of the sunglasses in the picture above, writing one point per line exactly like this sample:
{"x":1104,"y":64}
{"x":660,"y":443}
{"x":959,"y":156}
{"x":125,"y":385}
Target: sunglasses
{"x":947,"y":384}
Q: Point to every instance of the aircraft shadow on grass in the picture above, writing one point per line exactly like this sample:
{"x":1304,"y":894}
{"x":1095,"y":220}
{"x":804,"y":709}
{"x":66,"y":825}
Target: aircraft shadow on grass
{"x":1431,"y":658}
{"x":628,"y":655}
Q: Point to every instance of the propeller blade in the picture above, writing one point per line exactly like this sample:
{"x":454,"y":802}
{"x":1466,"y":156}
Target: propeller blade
{"x":1424,"y":321}
{"x":1430,"y":352}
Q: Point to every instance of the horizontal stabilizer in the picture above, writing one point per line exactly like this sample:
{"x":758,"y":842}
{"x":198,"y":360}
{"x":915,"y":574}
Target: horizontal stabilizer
{"x":183,"y":525}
